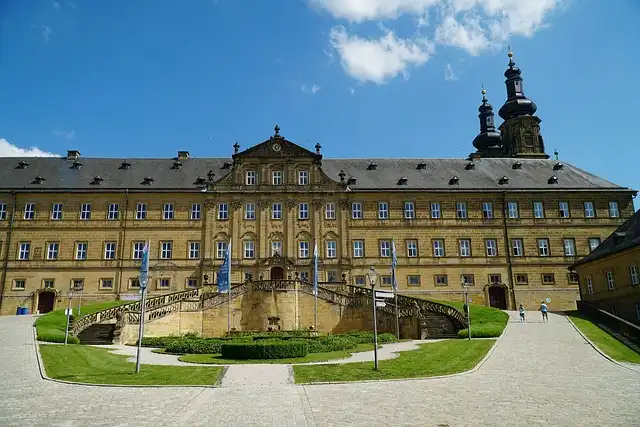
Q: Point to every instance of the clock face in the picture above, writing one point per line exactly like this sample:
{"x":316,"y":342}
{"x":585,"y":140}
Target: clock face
{"x":276,"y":147}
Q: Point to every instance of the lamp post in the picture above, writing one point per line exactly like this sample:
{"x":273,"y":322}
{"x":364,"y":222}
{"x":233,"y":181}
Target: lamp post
{"x":465,"y":289}
{"x":372,"y":278}
{"x":66,"y":331}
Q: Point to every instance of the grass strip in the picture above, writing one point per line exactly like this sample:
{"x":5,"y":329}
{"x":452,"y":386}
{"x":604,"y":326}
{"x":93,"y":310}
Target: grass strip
{"x":606,"y":342}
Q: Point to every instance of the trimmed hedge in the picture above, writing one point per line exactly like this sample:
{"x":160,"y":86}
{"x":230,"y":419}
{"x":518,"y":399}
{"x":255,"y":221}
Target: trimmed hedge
{"x":265,"y":349}
{"x":53,"y":335}
{"x":362,"y":337}
{"x":158,"y":341}
{"x":482,"y":331}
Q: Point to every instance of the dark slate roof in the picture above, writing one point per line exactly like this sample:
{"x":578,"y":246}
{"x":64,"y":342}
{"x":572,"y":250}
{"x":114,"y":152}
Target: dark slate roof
{"x":625,"y":237}
{"x":437,"y":174}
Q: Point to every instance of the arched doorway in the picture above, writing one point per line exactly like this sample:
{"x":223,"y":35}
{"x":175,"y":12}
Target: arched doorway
{"x":498,"y":297}
{"x":277,"y":273}
{"x":46,"y":301}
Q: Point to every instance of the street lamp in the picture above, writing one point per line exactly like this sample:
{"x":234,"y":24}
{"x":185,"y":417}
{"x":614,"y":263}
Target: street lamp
{"x":372,"y":279}
{"x":465,"y":289}
{"x":66,"y":331}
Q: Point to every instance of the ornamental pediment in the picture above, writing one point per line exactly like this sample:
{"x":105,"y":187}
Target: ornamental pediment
{"x":277,"y":147}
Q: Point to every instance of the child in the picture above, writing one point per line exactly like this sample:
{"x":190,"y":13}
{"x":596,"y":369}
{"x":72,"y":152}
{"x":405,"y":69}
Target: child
{"x":521,"y":313}
{"x":543,"y":309}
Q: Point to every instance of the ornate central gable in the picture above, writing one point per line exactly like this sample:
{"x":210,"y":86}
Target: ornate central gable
{"x":277,"y":147}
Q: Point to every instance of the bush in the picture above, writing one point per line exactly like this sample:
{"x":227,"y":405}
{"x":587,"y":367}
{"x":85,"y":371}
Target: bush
{"x":194,"y":346}
{"x":482,"y":331}
{"x":158,"y":341}
{"x":265,"y":349}
{"x":362,"y":337}
{"x":53,"y":335}
{"x":330,"y":343}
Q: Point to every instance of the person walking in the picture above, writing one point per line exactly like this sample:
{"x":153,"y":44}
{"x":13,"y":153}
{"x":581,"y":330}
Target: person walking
{"x":543,"y":309}
{"x":521,"y":310}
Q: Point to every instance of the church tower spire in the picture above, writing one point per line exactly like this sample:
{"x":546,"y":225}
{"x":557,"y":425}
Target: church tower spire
{"x":489,"y":141}
{"x":520,"y":129}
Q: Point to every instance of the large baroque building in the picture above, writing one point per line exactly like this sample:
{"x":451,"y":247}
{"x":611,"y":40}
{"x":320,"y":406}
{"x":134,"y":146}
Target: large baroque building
{"x":507,"y":220}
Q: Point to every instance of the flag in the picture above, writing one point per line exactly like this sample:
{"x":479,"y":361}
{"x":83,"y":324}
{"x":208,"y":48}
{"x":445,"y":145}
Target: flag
{"x":394,"y":261}
{"x":144,"y":266}
{"x":224,"y":274}
{"x":315,"y":268}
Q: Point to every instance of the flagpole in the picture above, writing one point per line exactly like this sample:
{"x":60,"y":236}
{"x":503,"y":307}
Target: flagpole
{"x":229,"y":291}
{"x":395,"y":285}
{"x":144,"y":278}
{"x":315,"y":285}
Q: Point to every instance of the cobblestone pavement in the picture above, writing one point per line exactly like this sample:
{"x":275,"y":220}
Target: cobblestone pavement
{"x":539,"y":374}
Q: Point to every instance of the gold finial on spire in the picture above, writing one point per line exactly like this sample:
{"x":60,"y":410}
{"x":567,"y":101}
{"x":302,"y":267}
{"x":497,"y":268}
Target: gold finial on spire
{"x":510,"y":54}
{"x":484,"y":91}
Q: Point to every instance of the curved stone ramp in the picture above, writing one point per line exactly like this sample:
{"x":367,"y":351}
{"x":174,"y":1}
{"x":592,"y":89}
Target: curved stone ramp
{"x":539,"y":374}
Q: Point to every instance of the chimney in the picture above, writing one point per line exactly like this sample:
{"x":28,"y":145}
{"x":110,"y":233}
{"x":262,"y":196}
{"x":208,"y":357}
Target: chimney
{"x":73,"y":154}
{"x":183,"y":155}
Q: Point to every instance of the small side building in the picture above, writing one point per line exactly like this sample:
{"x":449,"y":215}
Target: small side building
{"x":610,"y":275}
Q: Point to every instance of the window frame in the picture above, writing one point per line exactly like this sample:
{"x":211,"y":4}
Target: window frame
{"x":193,"y":249}
{"x":616,"y":210}
{"x":168,"y":212}
{"x":57,"y":210}
{"x":461,"y":210}
{"x":250,"y":211}
{"x":547,"y":246}
{"x":462,"y":249}
{"x":488,"y":248}
{"x":166,"y":249}
{"x":105,"y":251}
{"x":487,"y":210}
{"x":303,"y":211}
{"x":303,"y":249}
{"x":572,"y":245}
{"x":195,"y":213}
{"x":357,"y":210}
{"x":384,"y":246}
{"x":56,"y":251}
{"x":330,"y":211}
{"x":409,"y":210}
{"x":250,"y":177}
{"x":276,"y":174}
{"x":411,"y":246}
{"x":276,"y":211}
{"x":303,"y":177}
{"x":222,"y":211}
{"x":29,"y":212}
{"x":113,"y":214}
{"x":248,"y":249}
{"x":561,"y":210}
{"x":435,"y":208}
{"x":521,"y":247}
{"x":331,"y":249}
{"x":81,"y":251}
{"x":541,"y":213}
{"x":85,"y":212}
{"x":513,"y":210}
{"x":383,"y":210}
{"x":589,"y":208}
{"x":438,"y":247}
{"x":141,"y":211}
{"x":357,"y":242}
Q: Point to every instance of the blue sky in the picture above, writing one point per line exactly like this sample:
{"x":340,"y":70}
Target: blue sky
{"x":375,"y":78}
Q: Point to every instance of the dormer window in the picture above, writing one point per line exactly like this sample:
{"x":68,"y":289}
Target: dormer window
{"x":517,"y":165}
{"x":372,"y":166}
{"x":454,"y":181}
{"x":147,"y":180}
{"x":73,"y":154}
{"x":22,"y":164}
{"x":97,"y":180}
{"x":558,"y":166}
{"x":76,"y":165}
{"x":200,"y":181}
{"x":618,"y":237}
{"x":211,"y":176}
{"x":342,"y":175}
{"x":352,"y":180}
{"x":176,"y":165}
{"x":125,"y":165}
{"x":503,"y":181}
{"x":553,"y":180}
{"x":421,"y":166}
{"x":403,"y":181}
{"x":226,"y":165}
{"x":39,"y":179}
{"x":470,"y":165}
{"x":250,"y":178}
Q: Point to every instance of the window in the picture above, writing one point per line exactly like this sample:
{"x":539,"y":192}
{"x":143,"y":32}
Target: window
{"x":548,"y":279}
{"x":106,"y":283}
{"x":441,"y":280}
{"x":134,"y":283}
{"x":468,"y":279}
{"x":141,"y":211}
{"x":487,"y":210}
{"x":109,"y":250}
{"x":409,"y":210}
{"x":223,"y":211}
{"x":438,"y":248}
{"x":303,"y":249}
{"x":569,"y":247}
{"x":589,"y":210}
{"x":412,"y":248}
{"x":250,"y":178}
{"x":573,"y":278}
{"x":356,"y":210}
{"x":24,"y":250}
{"x":614,"y":212}
{"x":19,"y":284}
{"x":276,"y":247}
{"x":461,"y":210}
{"x":465,"y":247}
{"x":385,"y":248}
{"x":29,"y":211}
{"x":538,"y":210}
{"x":517,"y":247}
{"x":276,"y":211}
{"x":137,"y":250}
{"x":276,"y":177}
{"x":512,"y":210}
{"x":358,"y":280}
{"x":221,"y":250}
{"x":3,"y":211}
{"x":387,"y":281}
{"x":49,"y":283}
{"x":564,"y":210}
{"x":303,"y":211}
{"x":611,"y":280}
{"x":594,"y":242}
{"x":192,"y":283}
{"x":166,"y":249}
{"x":194,"y":250}
{"x":492,"y":247}
{"x":589,"y":285}
{"x":358,"y":248}
{"x":113,"y":212}
{"x":303,"y":177}
{"x":167,"y":211}
{"x":522,"y":279}
{"x":56,"y":211}
{"x":330,"y":211}
{"x":81,"y":250}
{"x":633,"y":274}
{"x":332,"y":249}
{"x":78,"y":284}
{"x":332,"y":276}
{"x":52,"y":250}
{"x":249,"y":249}
{"x":304,"y":276}
{"x":164,"y":283}
{"x":250,"y":211}
{"x":85,"y":211}
{"x":495,"y":279}
{"x":413,"y":280}
{"x":435,"y":210}
{"x":383,"y":210}
{"x":196,"y":211}
{"x":543,"y":247}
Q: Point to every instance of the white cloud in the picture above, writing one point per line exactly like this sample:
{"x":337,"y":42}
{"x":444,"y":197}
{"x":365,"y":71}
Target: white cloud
{"x":313,"y":89}
{"x":378,"y":60}
{"x":466,"y":34}
{"x":67,"y":134}
{"x":9,"y":150}
{"x":371,"y":10}
{"x":449,"y":74}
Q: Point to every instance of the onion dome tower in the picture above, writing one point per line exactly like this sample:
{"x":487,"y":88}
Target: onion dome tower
{"x":489,"y":141}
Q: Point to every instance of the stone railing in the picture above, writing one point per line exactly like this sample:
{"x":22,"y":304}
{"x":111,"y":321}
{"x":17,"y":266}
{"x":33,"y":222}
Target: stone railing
{"x":274,"y":285}
{"x":151,"y":304}
{"x":327,"y":294}
{"x":216,"y":299}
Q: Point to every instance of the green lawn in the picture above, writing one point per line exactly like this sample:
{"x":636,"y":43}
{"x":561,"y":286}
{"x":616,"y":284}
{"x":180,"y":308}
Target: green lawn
{"x":51,"y":326}
{"x":95,"y":365}
{"x":438,"y":358}
{"x":604,"y":341}
{"x":311,"y":357}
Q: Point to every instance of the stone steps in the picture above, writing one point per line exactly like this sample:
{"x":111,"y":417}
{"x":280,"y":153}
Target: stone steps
{"x":98,"y":334}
